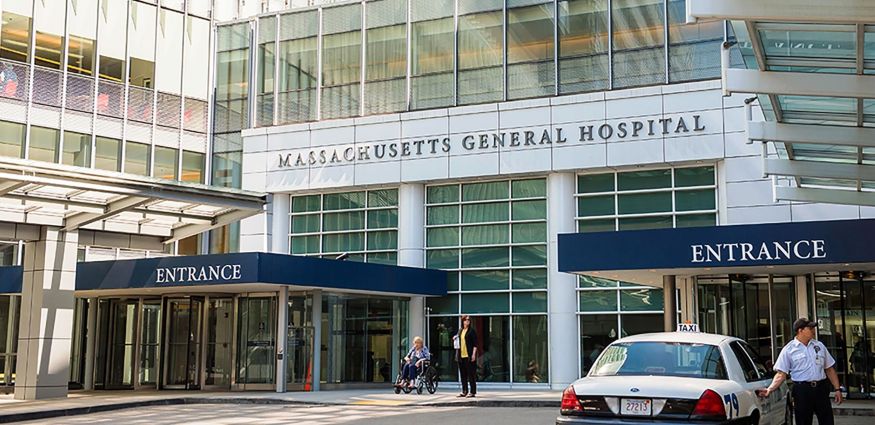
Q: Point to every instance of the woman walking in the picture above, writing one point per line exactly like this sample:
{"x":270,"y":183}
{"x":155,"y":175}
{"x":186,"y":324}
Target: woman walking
{"x":466,"y":355}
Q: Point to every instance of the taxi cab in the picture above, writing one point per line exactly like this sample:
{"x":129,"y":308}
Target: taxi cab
{"x":675,"y":378}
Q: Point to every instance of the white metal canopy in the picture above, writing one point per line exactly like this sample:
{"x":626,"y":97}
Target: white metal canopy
{"x":812,"y":65}
{"x":33,"y":192}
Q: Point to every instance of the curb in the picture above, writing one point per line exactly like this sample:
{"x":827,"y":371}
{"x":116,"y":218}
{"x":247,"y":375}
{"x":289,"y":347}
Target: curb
{"x":73,"y":411}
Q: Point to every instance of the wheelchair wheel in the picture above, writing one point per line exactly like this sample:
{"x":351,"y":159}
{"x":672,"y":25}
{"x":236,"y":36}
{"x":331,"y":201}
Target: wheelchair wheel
{"x":419,"y":388}
{"x":406,"y":389}
{"x":431,"y":386}
{"x":397,"y":390}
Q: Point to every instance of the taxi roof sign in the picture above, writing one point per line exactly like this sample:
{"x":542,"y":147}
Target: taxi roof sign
{"x":688,"y":327}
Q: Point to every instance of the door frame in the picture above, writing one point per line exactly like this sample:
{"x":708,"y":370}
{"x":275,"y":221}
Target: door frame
{"x":191,"y":384}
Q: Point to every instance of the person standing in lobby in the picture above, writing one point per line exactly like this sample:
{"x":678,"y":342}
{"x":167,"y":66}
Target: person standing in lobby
{"x":812,"y":370}
{"x":466,"y":355}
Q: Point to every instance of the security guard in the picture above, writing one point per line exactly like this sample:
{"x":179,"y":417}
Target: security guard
{"x":809,"y":365}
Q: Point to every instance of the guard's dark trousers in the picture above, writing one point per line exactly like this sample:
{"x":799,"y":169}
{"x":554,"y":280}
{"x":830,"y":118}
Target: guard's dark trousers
{"x":468,"y":372}
{"x":810,"y":400}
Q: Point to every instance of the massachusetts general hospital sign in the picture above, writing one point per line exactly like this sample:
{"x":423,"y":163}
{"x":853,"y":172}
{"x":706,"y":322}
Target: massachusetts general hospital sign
{"x":483,"y":141}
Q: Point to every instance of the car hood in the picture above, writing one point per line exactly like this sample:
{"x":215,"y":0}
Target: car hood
{"x":648,"y":386}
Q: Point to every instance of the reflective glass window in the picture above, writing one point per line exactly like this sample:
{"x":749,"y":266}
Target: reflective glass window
{"x":137,"y":158}
{"x":168,"y":66}
{"x":386,"y":46}
{"x":481,"y":52}
{"x":141,"y":44}
{"x":341,"y":61}
{"x":232,"y":79}
{"x":43,"y":144}
{"x":112,"y":21}
{"x":77,"y":149}
{"x":82,"y":18}
{"x":12,"y":139}
{"x":107,"y":154}
{"x":166,"y":163}
{"x":639,"y":55}
{"x":432,"y":54}
{"x":530,"y":67}
{"x":192,"y":167}
{"x":694,"y":49}
{"x":49,"y":24}
{"x":583,"y":45}
{"x":15,"y":28}
{"x":530,"y":349}
{"x":266,"y":66}
{"x":299,"y":67}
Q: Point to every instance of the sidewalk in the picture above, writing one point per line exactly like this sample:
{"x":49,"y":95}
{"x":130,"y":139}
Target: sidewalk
{"x":81,"y":402}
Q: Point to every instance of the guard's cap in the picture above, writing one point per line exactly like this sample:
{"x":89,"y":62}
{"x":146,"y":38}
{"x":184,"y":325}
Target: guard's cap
{"x":803,"y":322}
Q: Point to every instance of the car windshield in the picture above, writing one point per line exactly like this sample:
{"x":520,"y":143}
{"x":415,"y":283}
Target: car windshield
{"x":661,"y":359}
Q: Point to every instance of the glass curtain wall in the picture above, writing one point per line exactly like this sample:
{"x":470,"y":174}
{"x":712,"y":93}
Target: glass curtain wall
{"x":638,"y":42}
{"x":12,"y":139}
{"x":362,"y":224}
{"x":583,"y":46}
{"x":141,"y":64}
{"x":531,"y":71}
{"x":264,"y":87}
{"x":299,"y":67}
{"x":432,"y":83}
{"x":195,"y":86}
{"x":112,"y":67}
{"x":82,"y":26}
{"x":386,"y":47}
{"x":491,"y":237}
{"x":15,"y":28}
{"x":480,"y":39}
{"x":77,"y":149}
{"x":693,"y":50}
{"x":341,"y":61}
{"x":168,"y":70}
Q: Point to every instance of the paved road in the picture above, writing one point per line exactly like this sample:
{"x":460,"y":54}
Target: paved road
{"x":321,"y":415}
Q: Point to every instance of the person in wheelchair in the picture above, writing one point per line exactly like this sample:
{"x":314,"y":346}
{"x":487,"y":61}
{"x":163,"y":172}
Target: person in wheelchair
{"x":412,"y":362}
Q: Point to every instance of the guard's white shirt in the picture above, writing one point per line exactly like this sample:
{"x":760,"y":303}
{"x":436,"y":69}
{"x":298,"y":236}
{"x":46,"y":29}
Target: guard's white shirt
{"x":804,"y":362}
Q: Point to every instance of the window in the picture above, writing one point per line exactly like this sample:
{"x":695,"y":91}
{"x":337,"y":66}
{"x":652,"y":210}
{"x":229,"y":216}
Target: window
{"x":386,"y":46}
{"x":192,"y":167}
{"x":43,"y":144}
{"x":341,"y":61}
{"x":15,"y":30}
{"x":433,"y":48}
{"x":758,"y":363}
{"x":264,"y":84}
{"x":363,"y":224}
{"x":694,"y":49}
{"x":107,"y":154}
{"x":138,"y":158}
{"x":232,"y":78}
{"x":530,"y":67}
{"x":531,"y":358}
{"x":299,"y":68}
{"x":166,"y":163}
{"x":481,"y":51}
{"x":747,"y":367}
{"x":82,"y":23}
{"x":583,"y":45}
{"x":77,"y":149}
{"x":196,"y":57}
{"x":661,"y":359}
{"x":639,"y":55}
{"x":49,"y":26}
{"x":111,"y":49}
{"x":168,"y":66}
{"x":141,"y":44}
{"x":12,"y":139}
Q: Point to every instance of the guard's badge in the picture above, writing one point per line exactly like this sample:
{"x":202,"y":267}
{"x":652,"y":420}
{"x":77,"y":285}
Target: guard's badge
{"x":816,"y":348}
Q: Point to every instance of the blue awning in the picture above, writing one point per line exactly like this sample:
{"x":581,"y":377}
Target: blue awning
{"x":246,"y":268}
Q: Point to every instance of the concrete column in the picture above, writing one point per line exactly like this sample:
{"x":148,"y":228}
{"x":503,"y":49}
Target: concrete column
{"x":45,"y":329}
{"x":90,"y":341}
{"x":670,"y":315}
{"x":802,"y":298}
{"x":282,"y":333}
{"x":316,"y":374}
{"x":411,"y":247}
{"x":562,"y":336}
{"x":280,"y":223}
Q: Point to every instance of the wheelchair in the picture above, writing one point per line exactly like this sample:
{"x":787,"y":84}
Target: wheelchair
{"x":427,"y":378}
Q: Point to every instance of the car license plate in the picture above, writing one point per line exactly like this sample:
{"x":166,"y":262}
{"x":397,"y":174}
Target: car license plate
{"x":636,"y":407}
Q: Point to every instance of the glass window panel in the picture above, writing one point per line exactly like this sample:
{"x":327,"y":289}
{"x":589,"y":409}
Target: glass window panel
{"x":192,"y":167}
{"x":442,"y":259}
{"x":529,"y":232}
{"x":598,"y":300}
{"x":80,"y":56}
{"x":386,"y":60}
{"x":696,"y":220}
{"x":77,"y":149}
{"x":529,"y":210}
{"x":604,"y":225}
{"x":49,"y":26}
{"x":530,"y":255}
{"x":587,"y":281}
{"x":352,"y":220}
{"x":43,"y":144}
{"x":341,"y":61}
{"x":640,"y":203}
{"x":694,"y":49}
{"x":489,"y":280}
{"x":82,"y":26}
{"x":307,"y":203}
{"x":485,"y":257}
{"x":452,"y":281}
{"x":529,"y":279}
{"x":382,"y":240}
{"x":594,"y":183}
{"x":298,"y":79}
{"x":343,"y":242}
{"x":640,"y":223}
{"x":305,"y":244}
{"x":432,"y":61}
{"x":196,"y":57}
{"x":485,"y":303}
{"x":536,"y":188}
{"x":819,"y":42}
{"x":638,"y":180}
{"x":639,"y":58}
{"x":166,"y":163}
{"x":641,"y":300}
{"x":141,"y":46}
{"x":442,"y":236}
{"x":481,"y":213}
{"x":485,"y":235}
{"x":448,"y":304}
{"x":530,"y":302}
{"x":596,"y":332}
{"x":168,"y":68}
{"x":697,"y":176}
{"x":390,"y":258}
{"x":442,"y":194}
{"x":15,"y":30}
{"x":12,"y":139}
{"x":344,"y":201}
{"x":583,"y":45}
{"x":481,"y":53}
{"x":443,"y":215}
{"x":530,"y":68}
{"x":382,"y":219}
{"x":307,"y":223}
{"x":691,"y":200}
{"x":634,"y":324}
{"x":112,"y":21}
{"x":595,"y":205}
{"x":485,"y":191}
{"x":383,"y":198}
{"x":137,"y":158}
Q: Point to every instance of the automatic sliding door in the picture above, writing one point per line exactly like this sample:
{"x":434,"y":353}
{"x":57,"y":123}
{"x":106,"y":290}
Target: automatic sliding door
{"x":256,"y":352}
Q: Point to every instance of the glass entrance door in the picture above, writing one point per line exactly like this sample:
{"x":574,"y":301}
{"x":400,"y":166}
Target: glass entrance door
{"x":256,"y":335}
{"x":220,"y":343}
{"x":299,"y":344}
{"x":183,"y":352}
{"x":122,"y":327}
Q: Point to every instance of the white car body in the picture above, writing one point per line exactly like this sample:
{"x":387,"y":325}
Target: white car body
{"x":741,"y":403}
